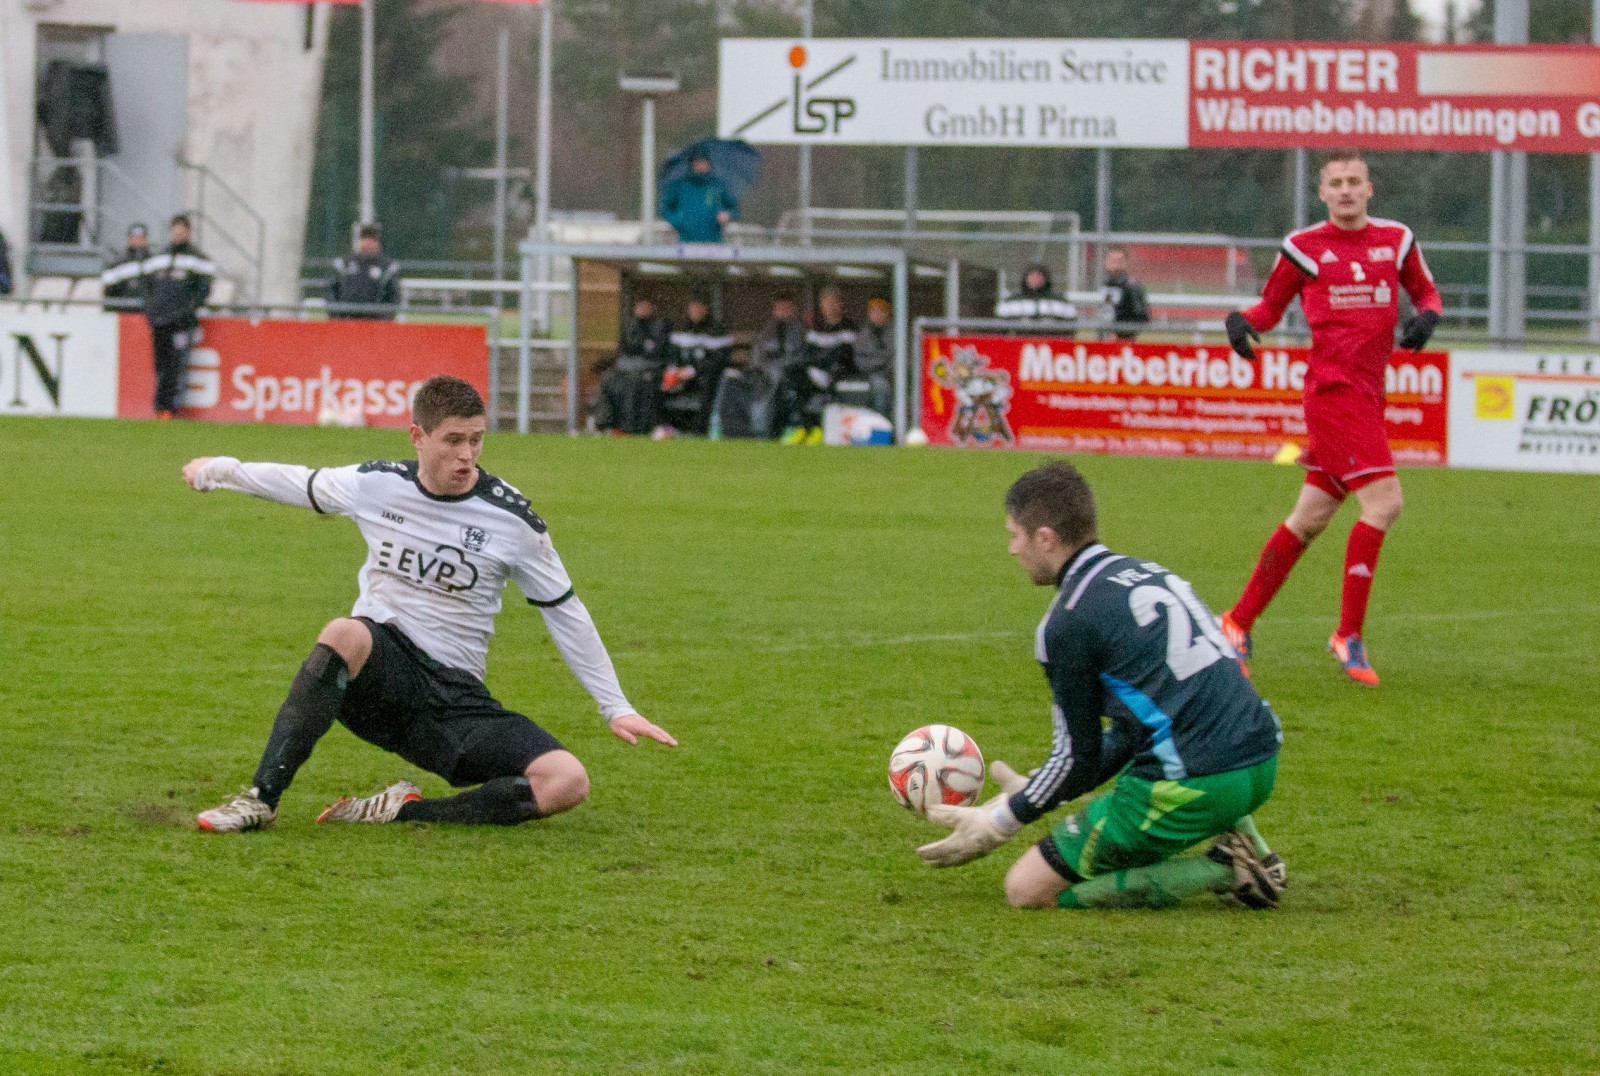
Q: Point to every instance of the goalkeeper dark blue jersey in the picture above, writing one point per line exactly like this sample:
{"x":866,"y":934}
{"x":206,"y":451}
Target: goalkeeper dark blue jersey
{"x":1128,"y":640}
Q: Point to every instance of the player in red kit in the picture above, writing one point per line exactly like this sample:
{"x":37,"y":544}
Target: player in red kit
{"x":1347,"y":272}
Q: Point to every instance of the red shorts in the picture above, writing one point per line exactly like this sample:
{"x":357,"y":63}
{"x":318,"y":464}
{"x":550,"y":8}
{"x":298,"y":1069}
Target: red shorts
{"x":1348,"y":446}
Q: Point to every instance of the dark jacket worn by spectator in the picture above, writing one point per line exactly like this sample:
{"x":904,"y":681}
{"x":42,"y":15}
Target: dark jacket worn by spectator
{"x":629,"y":394}
{"x":806,"y":389}
{"x":693,"y":205}
{"x":6,"y":282}
{"x":1128,"y":302}
{"x":177,"y":285}
{"x":364,"y":279}
{"x":700,"y":353}
{"x":122,"y":283}
{"x":1036,"y":300}
{"x":831,"y":348}
{"x":875,"y":357}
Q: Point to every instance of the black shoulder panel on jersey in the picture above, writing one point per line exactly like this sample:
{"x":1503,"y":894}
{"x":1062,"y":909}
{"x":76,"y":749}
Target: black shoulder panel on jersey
{"x":505,"y":495}
{"x":406,"y":469}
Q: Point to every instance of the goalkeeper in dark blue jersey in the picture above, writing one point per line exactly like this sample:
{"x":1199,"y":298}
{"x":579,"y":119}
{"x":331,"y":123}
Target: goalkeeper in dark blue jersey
{"x":1147,"y":694}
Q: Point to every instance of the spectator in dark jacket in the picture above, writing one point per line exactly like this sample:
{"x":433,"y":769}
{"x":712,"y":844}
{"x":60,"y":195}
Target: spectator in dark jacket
{"x":1036,"y":300}
{"x":176,"y":285}
{"x":6,"y":283}
{"x":700,"y":353}
{"x":875,"y":354}
{"x":365,"y":279}
{"x":830,"y":355}
{"x":1124,"y":295}
{"x":697,"y":205}
{"x":628,"y":395}
{"x":123,"y":280}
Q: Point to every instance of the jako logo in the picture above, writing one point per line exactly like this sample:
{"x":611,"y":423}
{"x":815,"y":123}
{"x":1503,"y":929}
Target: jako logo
{"x":809,"y":115}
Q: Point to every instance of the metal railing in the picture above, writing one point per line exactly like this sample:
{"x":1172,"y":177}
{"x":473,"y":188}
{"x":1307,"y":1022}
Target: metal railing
{"x":207,"y":223}
{"x":102,"y":182}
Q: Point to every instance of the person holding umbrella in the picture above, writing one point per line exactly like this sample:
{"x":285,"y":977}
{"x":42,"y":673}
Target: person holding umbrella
{"x":699,"y":195}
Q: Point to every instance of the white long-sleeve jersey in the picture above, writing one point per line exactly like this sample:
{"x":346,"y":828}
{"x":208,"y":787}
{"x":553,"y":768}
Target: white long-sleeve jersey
{"x":437,"y":565}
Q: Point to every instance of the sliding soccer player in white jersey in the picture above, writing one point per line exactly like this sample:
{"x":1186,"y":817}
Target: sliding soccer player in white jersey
{"x":405,"y":670}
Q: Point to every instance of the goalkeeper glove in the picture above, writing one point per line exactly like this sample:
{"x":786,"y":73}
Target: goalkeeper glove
{"x":1240,"y":333}
{"x":1009,"y":780}
{"x":1414,"y":337}
{"x":977,"y":832}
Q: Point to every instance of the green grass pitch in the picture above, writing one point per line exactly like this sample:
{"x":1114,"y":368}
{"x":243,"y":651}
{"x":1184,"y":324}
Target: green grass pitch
{"x":751,"y":902}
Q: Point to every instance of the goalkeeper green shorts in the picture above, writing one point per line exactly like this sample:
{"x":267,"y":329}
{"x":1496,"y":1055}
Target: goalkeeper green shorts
{"x":1140,"y":822}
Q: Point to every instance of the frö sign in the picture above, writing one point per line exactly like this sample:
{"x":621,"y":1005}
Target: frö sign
{"x":1153,"y":399}
{"x":1160,"y":94}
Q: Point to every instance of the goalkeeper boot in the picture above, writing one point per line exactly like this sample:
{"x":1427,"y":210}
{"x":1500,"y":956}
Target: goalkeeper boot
{"x":243,"y":812}
{"x":1255,"y":883}
{"x":378,"y":807}
{"x":1237,"y":638}
{"x":1351,"y":653}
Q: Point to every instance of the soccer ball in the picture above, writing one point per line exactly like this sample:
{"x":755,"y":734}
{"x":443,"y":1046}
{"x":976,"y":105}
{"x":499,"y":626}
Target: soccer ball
{"x":915,"y":438}
{"x":334,"y":413}
{"x":935,"y":764}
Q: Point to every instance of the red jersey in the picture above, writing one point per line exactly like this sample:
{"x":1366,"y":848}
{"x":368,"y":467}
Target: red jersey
{"x":1348,"y":282}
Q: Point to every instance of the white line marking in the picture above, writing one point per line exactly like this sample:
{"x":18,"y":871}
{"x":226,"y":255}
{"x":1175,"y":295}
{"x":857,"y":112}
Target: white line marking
{"x":867,"y":642}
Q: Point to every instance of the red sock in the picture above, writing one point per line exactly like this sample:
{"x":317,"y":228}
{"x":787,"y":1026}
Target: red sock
{"x":1277,"y":559}
{"x":1360,"y":561}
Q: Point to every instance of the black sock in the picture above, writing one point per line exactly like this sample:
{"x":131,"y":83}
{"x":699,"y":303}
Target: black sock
{"x":304,"y":717}
{"x":504,"y":801}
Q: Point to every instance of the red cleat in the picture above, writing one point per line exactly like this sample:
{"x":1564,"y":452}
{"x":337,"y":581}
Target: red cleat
{"x":1351,"y":653}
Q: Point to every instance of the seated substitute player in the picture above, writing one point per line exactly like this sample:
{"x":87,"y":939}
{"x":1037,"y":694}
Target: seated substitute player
{"x":1192,"y":748}
{"x":405,"y":670}
{"x":1348,"y":272}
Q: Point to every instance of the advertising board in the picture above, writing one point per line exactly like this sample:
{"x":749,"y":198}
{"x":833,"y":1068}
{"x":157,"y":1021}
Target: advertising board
{"x":1525,"y":411}
{"x":291,"y":371}
{"x":58,"y":363}
{"x":1153,"y":399}
{"x":1160,"y":94}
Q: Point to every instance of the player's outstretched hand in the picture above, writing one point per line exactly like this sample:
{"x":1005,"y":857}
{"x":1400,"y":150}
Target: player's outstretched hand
{"x":1418,"y":330}
{"x":976,"y":834}
{"x":1240,"y":333}
{"x":1009,"y":780}
{"x":204,"y":472}
{"x":630,"y":727}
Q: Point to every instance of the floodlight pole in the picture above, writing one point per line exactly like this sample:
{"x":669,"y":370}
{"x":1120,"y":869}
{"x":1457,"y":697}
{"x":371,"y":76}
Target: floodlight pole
{"x":647,"y":170}
{"x":1594,"y":208}
{"x":804,"y":178}
{"x":502,"y":136}
{"x":1102,"y":207}
{"x":368,"y":113}
{"x":541,"y":182}
{"x":1508,"y":204}
{"x":910,"y":198}
{"x":1300,"y":179}
{"x":649,"y":87}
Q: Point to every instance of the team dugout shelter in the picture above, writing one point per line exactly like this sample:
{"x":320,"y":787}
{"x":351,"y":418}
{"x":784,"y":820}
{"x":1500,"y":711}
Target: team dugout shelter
{"x":740,"y":284}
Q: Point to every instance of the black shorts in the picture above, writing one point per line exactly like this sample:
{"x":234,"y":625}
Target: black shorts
{"x":441,"y":719}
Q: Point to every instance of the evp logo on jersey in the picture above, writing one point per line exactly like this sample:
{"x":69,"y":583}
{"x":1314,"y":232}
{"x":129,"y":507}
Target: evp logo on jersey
{"x":808,"y":113}
{"x":446,"y":568}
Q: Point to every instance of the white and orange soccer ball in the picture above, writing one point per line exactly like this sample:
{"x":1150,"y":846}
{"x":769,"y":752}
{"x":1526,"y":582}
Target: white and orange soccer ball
{"x":936,"y":764}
